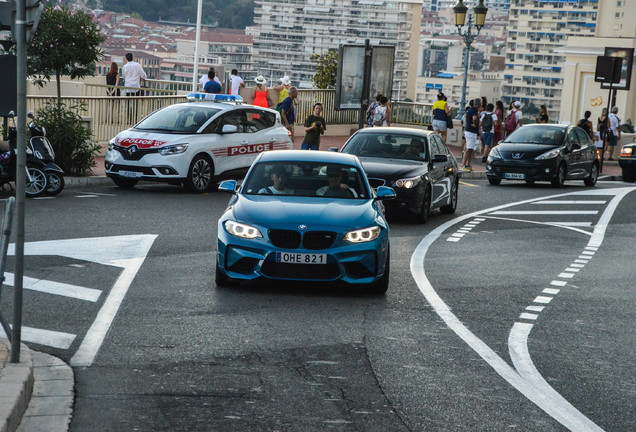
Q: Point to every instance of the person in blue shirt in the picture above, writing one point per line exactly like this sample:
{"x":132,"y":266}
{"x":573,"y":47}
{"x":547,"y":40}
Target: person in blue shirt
{"x":212,"y":86}
{"x":470,"y":133}
{"x":288,"y":111}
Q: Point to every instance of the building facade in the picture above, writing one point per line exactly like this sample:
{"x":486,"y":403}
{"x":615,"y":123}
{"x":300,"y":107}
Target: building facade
{"x":538,"y":28}
{"x":288,"y":32}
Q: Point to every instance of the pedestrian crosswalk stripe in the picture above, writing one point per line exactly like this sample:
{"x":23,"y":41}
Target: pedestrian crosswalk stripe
{"x":57,"y":288}
{"x":45,"y":337}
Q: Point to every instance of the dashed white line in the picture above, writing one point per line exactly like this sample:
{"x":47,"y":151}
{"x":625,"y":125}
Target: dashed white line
{"x":542,"y":299}
{"x":528,"y":316}
{"x":550,"y":291}
{"x":566,"y":275}
{"x":558,"y":283}
{"x":535,"y":308}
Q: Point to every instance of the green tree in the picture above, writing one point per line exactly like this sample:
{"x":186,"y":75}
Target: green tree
{"x":326,"y":65}
{"x":66,"y":43}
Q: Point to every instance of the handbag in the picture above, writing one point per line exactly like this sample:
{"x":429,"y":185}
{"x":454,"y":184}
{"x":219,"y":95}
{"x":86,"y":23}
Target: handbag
{"x":449,"y":122}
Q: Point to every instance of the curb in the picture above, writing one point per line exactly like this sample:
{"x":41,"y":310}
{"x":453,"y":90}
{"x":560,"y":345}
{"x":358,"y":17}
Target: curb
{"x":16,"y":388}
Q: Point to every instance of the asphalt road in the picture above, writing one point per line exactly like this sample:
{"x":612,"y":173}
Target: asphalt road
{"x":122,"y":288}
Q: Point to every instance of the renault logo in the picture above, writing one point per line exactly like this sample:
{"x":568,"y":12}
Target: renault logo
{"x":517,"y":155}
{"x":302,"y":227}
{"x":132,"y":149}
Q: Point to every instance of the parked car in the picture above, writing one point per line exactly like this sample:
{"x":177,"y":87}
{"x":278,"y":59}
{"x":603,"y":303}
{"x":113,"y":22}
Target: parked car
{"x":544,"y":152}
{"x":195,"y":143}
{"x":627,"y":162}
{"x":417,"y":164}
{"x":304,"y":216}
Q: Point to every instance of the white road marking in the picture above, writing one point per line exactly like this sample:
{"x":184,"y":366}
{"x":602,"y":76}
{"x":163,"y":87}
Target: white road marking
{"x":545,"y":212}
{"x":558,"y":283}
{"x":127,"y":252}
{"x":581,"y":261}
{"x":588,"y":253}
{"x":44,"y":337}
{"x":85,"y":196}
{"x":57,"y":288}
{"x":550,"y":291}
{"x":583,"y":224}
{"x":566,"y":275}
{"x":525,"y":378}
{"x":453,"y":239}
{"x":528,"y":316}
{"x":535,"y":308}
{"x":542,"y":299}
{"x":43,"y":198}
{"x":569,"y":269}
{"x":460,"y":235}
{"x":568,"y":202}
{"x":578,"y":265}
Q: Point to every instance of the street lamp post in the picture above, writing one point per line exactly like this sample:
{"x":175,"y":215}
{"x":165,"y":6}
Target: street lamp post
{"x":460,"y":11}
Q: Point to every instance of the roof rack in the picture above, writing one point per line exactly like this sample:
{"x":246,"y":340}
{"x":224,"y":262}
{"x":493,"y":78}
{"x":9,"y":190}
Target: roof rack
{"x":213,"y":97}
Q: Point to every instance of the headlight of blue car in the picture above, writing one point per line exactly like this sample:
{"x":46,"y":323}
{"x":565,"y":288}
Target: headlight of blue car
{"x":549,"y":155}
{"x":173,"y":149}
{"x":363,"y":235}
{"x":407,"y":183}
{"x":242,"y":230}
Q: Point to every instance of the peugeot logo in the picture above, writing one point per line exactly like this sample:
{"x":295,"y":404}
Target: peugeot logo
{"x":517,"y":155}
{"x":302,"y":227}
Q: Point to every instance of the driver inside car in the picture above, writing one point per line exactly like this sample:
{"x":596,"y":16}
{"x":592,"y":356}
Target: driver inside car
{"x":336,"y":188}
{"x":278,"y":176}
{"x":415,"y":151}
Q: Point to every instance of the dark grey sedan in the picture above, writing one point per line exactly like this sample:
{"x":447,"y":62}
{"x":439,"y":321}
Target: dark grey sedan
{"x":544,"y":152}
{"x":415,"y":163}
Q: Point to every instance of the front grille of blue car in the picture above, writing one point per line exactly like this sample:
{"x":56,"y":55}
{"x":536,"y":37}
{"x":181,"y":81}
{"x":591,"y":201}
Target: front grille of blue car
{"x":313,"y":240}
{"x":300,"y":271}
{"x":316,"y":240}
{"x":285,"y":239}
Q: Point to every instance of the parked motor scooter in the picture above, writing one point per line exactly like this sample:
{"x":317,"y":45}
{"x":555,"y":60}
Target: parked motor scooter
{"x":36,"y":181}
{"x":43,"y":150}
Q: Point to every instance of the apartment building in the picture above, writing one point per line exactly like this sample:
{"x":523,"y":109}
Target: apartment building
{"x":450,"y":83}
{"x":534,"y":67}
{"x":287,"y":32}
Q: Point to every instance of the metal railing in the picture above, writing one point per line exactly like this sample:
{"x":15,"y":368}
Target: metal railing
{"x":107,"y":116}
{"x":7,"y":222}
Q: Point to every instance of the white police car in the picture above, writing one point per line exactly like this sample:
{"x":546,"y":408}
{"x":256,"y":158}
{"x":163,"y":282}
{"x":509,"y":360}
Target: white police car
{"x":195,"y":143}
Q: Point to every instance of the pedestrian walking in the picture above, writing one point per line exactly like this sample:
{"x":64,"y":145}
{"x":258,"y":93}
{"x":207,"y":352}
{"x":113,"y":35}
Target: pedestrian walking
{"x":472,"y":129}
{"x":371,"y":109}
{"x":212,"y":86}
{"x":259,"y":93}
{"x":288,"y":111}
{"x":236,"y":83}
{"x":586,"y":124}
{"x":614,"y":132}
{"x":543,"y":116}
{"x":441,"y":112}
{"x":315,"y":125}
{"x":487,"y":120}
{"x":382,"y":114}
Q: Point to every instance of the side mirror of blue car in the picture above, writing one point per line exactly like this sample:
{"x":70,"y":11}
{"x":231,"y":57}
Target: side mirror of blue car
{"x":333,"y":149}
{"x":228,"y":186}
{"x":384,"y":193}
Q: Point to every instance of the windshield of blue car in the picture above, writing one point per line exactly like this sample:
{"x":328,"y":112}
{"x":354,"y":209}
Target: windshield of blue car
{"x":546,"y":135}
{"x":306,"y":179}
{"x":387,"y":146}
{"x":177,"y":119}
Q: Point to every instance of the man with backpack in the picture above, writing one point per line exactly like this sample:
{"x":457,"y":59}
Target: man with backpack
{"x":488,"y":119}
{"x":470,"y":133}
{"x":514,"y":119}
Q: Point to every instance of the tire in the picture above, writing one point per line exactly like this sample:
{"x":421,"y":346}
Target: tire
{"x":628,"y":176}
{"x":591,"y":180}
{"x":382,"y":285}
{"x":56,"y":183}
{"x":560,"y":178}
{"x":125,"y":183}
{"x":425,"y":211}
{"x":223,"y":280}
{"x":450,"y":208}
{"x":200,"y":175}
{"x":494,"y":181}
{"x":39,"y":183}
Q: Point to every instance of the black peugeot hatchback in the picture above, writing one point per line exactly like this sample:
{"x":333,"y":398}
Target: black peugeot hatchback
{"x":544,"y":152}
